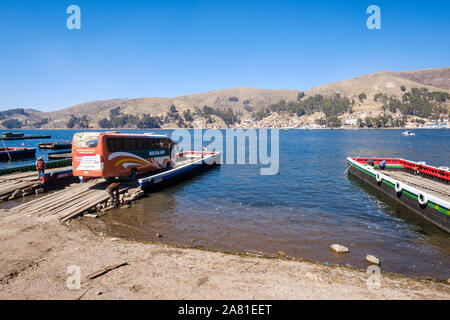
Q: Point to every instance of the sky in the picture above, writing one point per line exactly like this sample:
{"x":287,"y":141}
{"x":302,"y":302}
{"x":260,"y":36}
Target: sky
{"x":131,"y":49}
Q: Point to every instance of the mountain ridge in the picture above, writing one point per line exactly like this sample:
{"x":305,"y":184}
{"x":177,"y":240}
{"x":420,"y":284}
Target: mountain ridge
{"x":247,"y":99}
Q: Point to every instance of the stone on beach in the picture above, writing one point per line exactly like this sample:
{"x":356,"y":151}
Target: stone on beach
{"x":282,"y":253}
{"x":338,"y":248}
{"x":372,"y":259}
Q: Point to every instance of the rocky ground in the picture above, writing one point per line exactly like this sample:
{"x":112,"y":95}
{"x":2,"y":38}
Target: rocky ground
{"x":35,"y":255}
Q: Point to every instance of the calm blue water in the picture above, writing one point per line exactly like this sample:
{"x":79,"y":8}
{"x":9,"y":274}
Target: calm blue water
{"x":308,"y":206}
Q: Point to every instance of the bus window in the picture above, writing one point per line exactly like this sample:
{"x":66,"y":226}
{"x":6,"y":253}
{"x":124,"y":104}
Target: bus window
{"x":85,"y":140}
{"x":140,"y":144}
{"x":111,"y":145}
{"x":132,"y":144}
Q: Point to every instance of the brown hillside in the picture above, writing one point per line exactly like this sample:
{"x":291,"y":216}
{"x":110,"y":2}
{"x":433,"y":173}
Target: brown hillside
{"x":386,"y":82}
{"x":439,"y":78}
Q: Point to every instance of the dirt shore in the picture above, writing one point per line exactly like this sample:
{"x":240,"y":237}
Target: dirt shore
{"x":35,"y":255}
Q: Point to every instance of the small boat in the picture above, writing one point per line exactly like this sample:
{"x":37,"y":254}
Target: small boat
{"x":408,"y":133}
{"x":422,"y":188}
{"x":20,"y":136}
{"x":55,"y":145}
{"x":60,"y":155}
{"x":13,"y":153}
{"x":12,"y":135}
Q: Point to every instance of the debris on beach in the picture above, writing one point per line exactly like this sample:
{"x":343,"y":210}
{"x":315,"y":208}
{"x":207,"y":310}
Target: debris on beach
{"x":106,"y":270}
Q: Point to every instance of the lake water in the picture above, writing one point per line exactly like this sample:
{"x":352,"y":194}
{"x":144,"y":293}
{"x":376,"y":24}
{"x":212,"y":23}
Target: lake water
{"x":308,"y":206}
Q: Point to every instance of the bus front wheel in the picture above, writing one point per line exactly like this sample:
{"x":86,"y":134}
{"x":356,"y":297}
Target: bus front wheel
{"x":133,"y":174}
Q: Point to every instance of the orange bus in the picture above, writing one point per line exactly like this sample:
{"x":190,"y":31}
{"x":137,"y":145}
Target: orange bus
{"x":119,"y":155}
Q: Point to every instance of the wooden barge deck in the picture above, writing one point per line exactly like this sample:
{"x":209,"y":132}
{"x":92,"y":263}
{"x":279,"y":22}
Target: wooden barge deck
{"x":422,"y":188}
{"x":27,"y":182}
{"x":79,"y":198}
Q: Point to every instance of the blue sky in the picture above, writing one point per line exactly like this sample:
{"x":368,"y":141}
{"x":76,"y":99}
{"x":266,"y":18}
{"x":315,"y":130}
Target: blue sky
{"x":169,"y":48}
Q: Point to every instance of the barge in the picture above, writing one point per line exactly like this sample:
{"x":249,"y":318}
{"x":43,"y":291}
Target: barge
{"x":21,"y":136}
{"x":14,"y":153}
{"x":66,"y":154}
{"x":187,"y":164}
{"x":55,"y":145}
{"x":422,"y":188}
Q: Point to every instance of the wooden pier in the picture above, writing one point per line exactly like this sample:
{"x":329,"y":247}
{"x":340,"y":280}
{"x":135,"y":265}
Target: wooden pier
{"x":73,"y":200}
{"x":20,"y":184}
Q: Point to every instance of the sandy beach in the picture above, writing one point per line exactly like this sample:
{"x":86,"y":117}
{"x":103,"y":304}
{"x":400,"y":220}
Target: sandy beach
{"x":35,"y":254}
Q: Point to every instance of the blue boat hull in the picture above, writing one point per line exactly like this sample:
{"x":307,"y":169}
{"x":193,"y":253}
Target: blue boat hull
{"x":17,"y":154}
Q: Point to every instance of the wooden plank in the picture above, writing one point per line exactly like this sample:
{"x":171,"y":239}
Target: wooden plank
{"x":106,"y":270}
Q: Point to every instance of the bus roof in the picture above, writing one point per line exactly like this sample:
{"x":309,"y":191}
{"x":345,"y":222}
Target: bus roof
{"x":148,"y":134}
{"x":123,"y":134}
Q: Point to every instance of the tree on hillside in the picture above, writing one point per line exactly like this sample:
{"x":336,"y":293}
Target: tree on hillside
{"x":300,"y":95}
{"x":188,"y":115}
{"x":114,"y":112}
{"x":173,"y":109}
{"x":362,"y":97}
{"x":403,"y":88}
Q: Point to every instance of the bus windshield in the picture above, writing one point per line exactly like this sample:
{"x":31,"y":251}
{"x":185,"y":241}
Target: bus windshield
{"x":86,"y":139}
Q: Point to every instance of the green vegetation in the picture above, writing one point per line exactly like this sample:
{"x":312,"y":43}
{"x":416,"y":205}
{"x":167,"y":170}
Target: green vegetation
{"x":187,"y":115}
{"x":362,"y":97}
{"x":119,"y":120}
{"x":261,"y":114}
{"x":300,"y":96}
{"x":331,"y":106}
{"x":382,"y":121}
{"x":78,"y":123}
{"x":233,"y":99}
{"x":227,"y":115}
{"x":248,"y":108}
{"x":331,"y":122}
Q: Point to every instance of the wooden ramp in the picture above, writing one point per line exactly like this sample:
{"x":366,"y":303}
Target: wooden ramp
{"x":30,"y":175}
{"x":25,"y":182}
{"x":70,"y":202}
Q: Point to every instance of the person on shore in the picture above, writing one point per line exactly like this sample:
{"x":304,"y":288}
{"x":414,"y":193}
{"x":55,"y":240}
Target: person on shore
{"x":113,"y":191}
{"x":40,"y":166}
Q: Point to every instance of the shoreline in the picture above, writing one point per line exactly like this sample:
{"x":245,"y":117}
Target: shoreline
{"x":35,"y":253}
{"x":273,"y":128}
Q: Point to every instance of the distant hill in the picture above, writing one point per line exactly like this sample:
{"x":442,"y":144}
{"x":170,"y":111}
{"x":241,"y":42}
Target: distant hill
{"x":246,"y":100}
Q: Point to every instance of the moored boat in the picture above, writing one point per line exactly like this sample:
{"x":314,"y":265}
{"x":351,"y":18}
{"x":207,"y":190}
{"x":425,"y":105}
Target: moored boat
{"x":422,"y":188}
{"x":21,"y":136}
{"x":408,"y":133}
{"x":55,"y":145}
{"x":12,"y":134}
{"x":60,"y":155}
{"x":13,"y":153}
